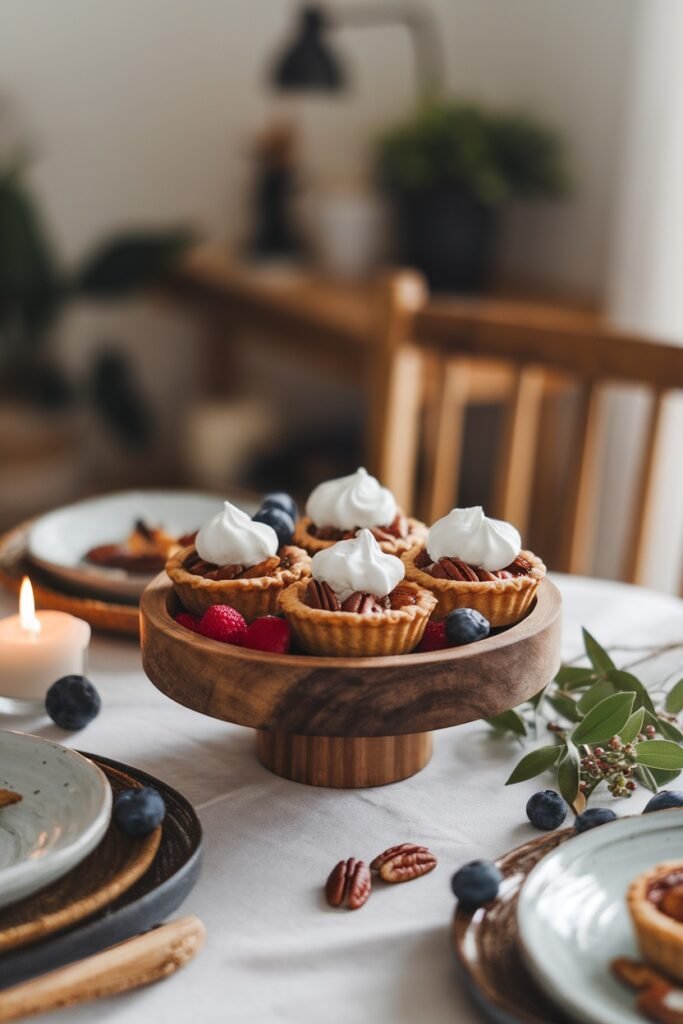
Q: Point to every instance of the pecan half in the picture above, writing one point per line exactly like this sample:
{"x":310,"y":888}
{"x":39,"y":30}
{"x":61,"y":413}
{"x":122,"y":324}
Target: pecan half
{"x":404,"y":862}
{"x":401,"y":596}
{"x":349,"y":884}
{"x":653,"y":1004}
{"x":635,"y":973}
{"x":9,"y":797}
{"x":224,"y":572}
{"x":363,"y":604}
{"x":672,"y":903}
{"x":321,"y":595}
{"x":264,"y":568}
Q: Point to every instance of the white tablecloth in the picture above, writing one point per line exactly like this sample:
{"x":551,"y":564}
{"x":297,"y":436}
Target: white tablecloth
{"x":274,"y":951}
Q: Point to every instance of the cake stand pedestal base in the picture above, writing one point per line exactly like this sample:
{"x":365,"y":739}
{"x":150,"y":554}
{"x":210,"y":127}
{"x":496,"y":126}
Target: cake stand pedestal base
{"x":343,"y":762}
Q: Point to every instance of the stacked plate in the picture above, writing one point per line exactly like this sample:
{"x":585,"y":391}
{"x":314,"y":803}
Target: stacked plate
{"x":541,"y":953}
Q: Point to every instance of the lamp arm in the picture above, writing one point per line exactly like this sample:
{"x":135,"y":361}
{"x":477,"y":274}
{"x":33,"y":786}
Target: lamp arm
{"x":422,"y":29}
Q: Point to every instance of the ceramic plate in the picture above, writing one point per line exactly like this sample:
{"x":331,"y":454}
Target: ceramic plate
{"x":63,"y":815}
{"x":59,"y":540}
{"x":572,"y":912}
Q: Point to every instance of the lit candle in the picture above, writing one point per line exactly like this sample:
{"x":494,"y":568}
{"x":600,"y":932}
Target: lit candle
{"x":38,"y":648}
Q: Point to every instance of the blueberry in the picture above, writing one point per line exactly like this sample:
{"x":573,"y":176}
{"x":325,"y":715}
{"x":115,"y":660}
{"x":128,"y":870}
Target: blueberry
{"x":72,"y":702}
{"x":278,"y":499}
{"x":137,"y":812}
{"x":464,"y":626}
{"x":593,"y":817}
{"x":665,"y":798}
{"x":546,"y":810}
{"x":476,"y":883}
{"x":281,"y":521}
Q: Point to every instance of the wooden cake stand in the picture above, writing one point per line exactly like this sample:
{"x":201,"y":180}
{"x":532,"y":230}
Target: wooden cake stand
{"x":348,"y":722}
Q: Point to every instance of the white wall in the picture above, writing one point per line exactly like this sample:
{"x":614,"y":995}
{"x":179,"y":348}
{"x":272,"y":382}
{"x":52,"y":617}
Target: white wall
{"x":145,"y":110}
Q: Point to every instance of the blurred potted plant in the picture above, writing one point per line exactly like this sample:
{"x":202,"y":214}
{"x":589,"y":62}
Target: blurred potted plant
{"x":449,"y":170}
{"x":37,"y":399}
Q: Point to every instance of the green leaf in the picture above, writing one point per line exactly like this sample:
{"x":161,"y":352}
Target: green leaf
{"x":627,"y":683}
{"x":598,"y":656}
{"x":508,"y":721}
{"x":571,"y":678}
{"x":568,"y":774}
{"x":660,"y":754}
{"x":662,"y":777}
{"x":674,"y":699}
{"x":565,"y":706}
{"x":598,"y":691}
{"x":671,"y":731}
{"x":605,"y":719}
{"x":646,"y":778}
{"x":629,"y":732}
{"x":534,"y":763}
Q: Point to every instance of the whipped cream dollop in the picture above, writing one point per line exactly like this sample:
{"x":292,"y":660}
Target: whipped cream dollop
{"x":468,"y":534}
{"x":352,"y":501}
{"x":358,"y":565}
{"x":232,"y":538}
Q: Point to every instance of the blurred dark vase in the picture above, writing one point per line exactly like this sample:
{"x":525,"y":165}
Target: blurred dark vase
{"x":448,"y":236}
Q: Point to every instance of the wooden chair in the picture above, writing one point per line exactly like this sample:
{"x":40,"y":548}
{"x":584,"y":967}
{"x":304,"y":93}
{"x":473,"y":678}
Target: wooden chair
{"x":544,"y":351}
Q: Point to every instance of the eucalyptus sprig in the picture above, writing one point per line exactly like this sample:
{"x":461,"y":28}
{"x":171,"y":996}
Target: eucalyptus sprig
{"x":605,"y":727}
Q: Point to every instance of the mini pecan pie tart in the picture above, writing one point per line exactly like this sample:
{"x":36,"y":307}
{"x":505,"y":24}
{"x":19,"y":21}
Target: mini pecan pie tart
{"x":236,"y":561}
{"x":337,"y":509}
{"x":471,"y":561}
{"x":655,"y":903}
{"x":357,"y":603}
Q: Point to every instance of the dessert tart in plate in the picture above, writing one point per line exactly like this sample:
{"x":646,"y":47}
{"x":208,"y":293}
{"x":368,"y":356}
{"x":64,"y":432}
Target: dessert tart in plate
{"x":655,"y":903}
{"x":236,"y":561}
{"x":357,"y":603}
{"x":472,"y":561}
{"x":337,"y":509}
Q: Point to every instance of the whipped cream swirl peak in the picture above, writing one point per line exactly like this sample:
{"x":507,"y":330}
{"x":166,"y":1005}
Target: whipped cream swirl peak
{"x":349,"y":502}
{"x":357,"y":565}
{"x":468,"y":534}
{"x":231,"y":537}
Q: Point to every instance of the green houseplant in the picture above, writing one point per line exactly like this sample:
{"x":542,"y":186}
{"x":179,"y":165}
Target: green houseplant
{"x":449,"y":170}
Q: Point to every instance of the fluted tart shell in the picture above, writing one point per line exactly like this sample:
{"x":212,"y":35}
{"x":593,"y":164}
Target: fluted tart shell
{"x":660,"y":936}
{"x":502,"y":602}
{"x":304,"y":538}
{"x":259,"y":595}
{"x":352,"y":635}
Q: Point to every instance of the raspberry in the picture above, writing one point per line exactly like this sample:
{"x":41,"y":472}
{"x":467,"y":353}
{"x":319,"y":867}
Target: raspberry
{"x":433,"y":638}
{"x":221,"y":622}
{"x":269,"y":633}
{"x":188,"y":621}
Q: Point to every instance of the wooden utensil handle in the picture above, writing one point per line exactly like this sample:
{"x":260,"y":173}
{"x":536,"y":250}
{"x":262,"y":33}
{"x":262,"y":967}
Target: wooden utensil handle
{"x":131,"y":964}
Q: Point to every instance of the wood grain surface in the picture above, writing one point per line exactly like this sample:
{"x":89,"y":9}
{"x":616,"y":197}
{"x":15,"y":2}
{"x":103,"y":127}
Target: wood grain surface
{"x":486,"y":945}
{"x":111,"y":869}
{"x":130,"y":965}
{"x":352,"y":697}
{"x":104,"y":615}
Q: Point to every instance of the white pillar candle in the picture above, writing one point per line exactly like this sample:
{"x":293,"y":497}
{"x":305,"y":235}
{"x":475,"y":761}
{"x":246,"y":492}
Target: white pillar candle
{"x":36,"y":649}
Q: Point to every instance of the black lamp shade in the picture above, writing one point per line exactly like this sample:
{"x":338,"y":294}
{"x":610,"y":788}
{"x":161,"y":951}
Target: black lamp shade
{"x":308,"y":63}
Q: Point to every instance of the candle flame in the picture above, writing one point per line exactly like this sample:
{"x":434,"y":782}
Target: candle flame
{"x":27,"y":608}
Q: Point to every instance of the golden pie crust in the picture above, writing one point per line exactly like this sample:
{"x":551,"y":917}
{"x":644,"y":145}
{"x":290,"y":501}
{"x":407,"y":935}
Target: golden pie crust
{"x":348,"y":634}
{"x":253,"y":597}
{"x":417,"y":533}
{"x":660,"y":936}
{"x":502,"y":602}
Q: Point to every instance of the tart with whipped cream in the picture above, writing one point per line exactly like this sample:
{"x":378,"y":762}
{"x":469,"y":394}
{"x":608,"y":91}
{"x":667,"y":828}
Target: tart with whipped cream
{"x":472,"y":561}
{"x":357,"y":602}
{"x":655,"y":903}
{"x":337,"y":509}
{"x":235,"y":560}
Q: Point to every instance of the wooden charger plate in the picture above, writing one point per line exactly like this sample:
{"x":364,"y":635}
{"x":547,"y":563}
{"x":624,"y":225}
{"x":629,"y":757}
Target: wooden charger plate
{"x":486,"y":945}
{"x":14,"y":565}
{"x":136,"y":900}
{"x":112,"y":868}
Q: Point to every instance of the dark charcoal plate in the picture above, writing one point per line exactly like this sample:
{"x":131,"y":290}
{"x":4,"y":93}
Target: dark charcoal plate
{"x":159,"y":892}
